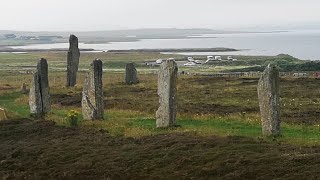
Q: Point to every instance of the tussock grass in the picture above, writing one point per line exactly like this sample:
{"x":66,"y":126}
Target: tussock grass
{"x":206,"y":106}
{"x":224,"y":106}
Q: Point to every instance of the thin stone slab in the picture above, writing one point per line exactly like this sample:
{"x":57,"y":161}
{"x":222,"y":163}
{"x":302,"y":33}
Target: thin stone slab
{"x":269,"y":101}
{"x":35,"y":99}
{"x":39,"y":97}
{"x":167,"y":79}
{"x":92,"y":95}
{"x":44,"y":84}
{"x":72,"y":61}
{"x":131,"y":74}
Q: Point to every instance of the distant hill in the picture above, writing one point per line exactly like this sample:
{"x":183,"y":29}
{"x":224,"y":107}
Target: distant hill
{"x":104,"y":36}
{"x":137,"y":32}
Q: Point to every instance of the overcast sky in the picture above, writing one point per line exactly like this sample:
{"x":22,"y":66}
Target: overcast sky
{"x":84,"y":15}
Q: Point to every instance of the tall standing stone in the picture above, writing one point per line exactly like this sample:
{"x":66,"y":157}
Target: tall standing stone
{"x":39,"y":97}
{"x":167,"y":79}
{"x":268,"y":95}
{"x":131,"y":74}
{"x":72,"y":61}
{"x":92,"y":95}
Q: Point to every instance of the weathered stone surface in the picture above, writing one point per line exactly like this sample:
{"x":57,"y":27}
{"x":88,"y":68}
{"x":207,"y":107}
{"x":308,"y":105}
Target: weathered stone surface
{"x":35,"y":99}
{"x":268,"y":95}
{"x":72,"y":61}
{"x":24,"y":88}
{"x":92,"y":95}
{"x":39,"y":97}
{"x":167,"y":78}
{"x":131,"y":74}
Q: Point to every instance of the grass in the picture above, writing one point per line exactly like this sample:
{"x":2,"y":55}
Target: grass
{"x":112,"y":61}
{"x":219,"y":132}
{"x":137,"y":124}
{"x":15,"y":109}
{"x":57,"y":60}
{"x":134,"y":126}
{"x":216,"y":98}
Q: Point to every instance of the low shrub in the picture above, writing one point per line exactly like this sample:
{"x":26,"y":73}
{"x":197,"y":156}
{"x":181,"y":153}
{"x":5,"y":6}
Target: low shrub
{"x":72,"y":118}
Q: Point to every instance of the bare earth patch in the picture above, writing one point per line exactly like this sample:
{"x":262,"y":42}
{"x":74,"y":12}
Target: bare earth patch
{"x":40,"y":149}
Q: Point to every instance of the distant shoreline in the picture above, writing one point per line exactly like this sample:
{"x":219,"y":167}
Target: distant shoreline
{"x":176,"y":50}
{"x":105,"y":37}
{"x":11,"y":50}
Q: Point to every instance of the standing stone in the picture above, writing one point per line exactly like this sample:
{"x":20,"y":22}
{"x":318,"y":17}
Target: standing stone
{"x":167,"y":78}
{"x":39,"y":98}
{"x":131,"y":74}
{"x":72,"y":61}
{"x":92,"y":95}
{"x":24,"y":88}
{"x":268,"y":95}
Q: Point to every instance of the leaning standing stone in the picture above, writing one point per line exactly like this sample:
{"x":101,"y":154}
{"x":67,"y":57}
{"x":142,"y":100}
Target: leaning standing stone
{"x":92,"y":95}
{"x":268,"y":95}
{"x":131,"y":74}
{"x":167,"y":79}
{"x":39,"y":98}
{"x":72,"y":61}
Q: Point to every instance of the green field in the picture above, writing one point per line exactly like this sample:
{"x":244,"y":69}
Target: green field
{"x":219,"y":132}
